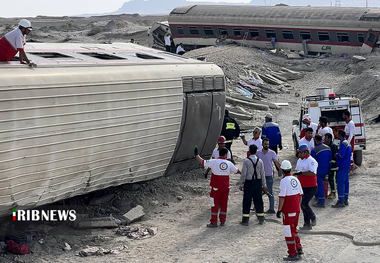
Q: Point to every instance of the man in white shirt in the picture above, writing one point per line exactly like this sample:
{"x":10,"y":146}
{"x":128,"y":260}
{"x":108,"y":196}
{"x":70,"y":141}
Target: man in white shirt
{"x":349,"y":129}
{"x":308,"y":139}
{"x":167,"y":42}
{"x":256,"y":140}
{"x":323,"y":128}
{"x":14,"y":42}
{"x":180,"y":50}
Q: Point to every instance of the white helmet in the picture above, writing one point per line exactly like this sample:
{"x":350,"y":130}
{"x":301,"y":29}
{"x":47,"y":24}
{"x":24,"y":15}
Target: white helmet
{"x":306,"y":118}
{"x":286,"y":165}
{"x":25,"y":23}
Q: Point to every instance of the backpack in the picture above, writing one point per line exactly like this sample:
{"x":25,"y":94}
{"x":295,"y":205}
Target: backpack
{"x":18,"y":249}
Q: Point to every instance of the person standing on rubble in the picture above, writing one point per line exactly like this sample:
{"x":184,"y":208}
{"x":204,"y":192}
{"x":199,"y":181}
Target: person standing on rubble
{"x":349,"y":129}
{"x":230,"y":131}
{"x":253,"y":183}
{"x":254,"y":140}
{"x":220,"y":184}
{"x":306,"y":171}
{"x":343,"y":162}
{"x":322,"y":154}
{"x":332,"y":173}
{"x":269,"y":157}
{"x":14,"y":42}
{"x":290,"y":197}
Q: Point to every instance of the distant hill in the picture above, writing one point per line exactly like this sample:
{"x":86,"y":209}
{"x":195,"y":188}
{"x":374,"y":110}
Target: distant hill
{"x":159,"y":6}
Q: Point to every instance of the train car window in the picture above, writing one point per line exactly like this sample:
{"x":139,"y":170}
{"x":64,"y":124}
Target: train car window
{"x":193,"y":30}
{"x":180,"y":30}
{"x":223,"y":31}
{"x":208,"y":31}
{"x":342,"y":37}
{"x":371,"y":38}
{"x":253,"y":32}
{"x":102,"y":56}
{"x":361,"y":37}
{"x":146,"y":56}
{"x":269,"y":33}
{"x":50,"y":55}
{"x":237,"y":32}
{"x":305,"y":34}
{"x":324,"y":36}
{"x":287,"y":34}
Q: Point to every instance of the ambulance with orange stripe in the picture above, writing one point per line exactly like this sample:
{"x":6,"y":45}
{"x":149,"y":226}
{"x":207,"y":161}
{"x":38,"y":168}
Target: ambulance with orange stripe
{"x":327,"y":103}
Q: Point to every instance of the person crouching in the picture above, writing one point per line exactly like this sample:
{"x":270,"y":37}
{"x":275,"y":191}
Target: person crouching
{"x":290,"y":197}
{"x":253,"y":182}
{"x":220,"y":184}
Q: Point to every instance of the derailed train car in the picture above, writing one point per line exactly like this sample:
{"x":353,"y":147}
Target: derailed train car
{"x":93,"y":116}
{"x":312,"y":29}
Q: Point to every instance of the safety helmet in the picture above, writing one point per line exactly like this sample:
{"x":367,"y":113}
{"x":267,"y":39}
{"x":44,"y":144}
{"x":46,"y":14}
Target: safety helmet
{"x":286,"y":165}
{"x":221,"y":139}
{"x":269,"y":116}
{"x":303,"y":147}
{"x":25,"y":23}
{"x":306,"y":118}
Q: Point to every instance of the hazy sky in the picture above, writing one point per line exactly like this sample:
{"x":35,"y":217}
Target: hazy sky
{"x":31,"y":8}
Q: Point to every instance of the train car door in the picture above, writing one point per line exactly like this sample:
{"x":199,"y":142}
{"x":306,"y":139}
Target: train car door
{"x":369,"y":41}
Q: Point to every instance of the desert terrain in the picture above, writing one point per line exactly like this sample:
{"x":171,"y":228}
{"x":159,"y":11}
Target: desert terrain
{"x":178,"y":205}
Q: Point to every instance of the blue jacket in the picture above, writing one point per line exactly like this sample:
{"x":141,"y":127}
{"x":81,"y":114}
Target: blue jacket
{"x":322,"y":154}
{"x":271,"y":131}
{"x":343,"y":157}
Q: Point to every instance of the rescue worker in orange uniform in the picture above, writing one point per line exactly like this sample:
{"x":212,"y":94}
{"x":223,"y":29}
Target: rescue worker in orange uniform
{"x":220,"y":184}
{"x":289,"y":206}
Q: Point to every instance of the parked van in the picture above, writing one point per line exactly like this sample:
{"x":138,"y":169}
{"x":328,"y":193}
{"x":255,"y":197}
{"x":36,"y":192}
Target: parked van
{"x":328,"y":104}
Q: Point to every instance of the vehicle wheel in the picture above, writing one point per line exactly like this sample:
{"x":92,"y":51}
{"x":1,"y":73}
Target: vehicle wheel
{"x":358,"y":157}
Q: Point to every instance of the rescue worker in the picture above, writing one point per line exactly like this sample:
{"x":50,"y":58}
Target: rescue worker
{"x":230,"y":131}
{"x":167,"y":42}
{"x":306,"y":122}
{"x":308,"y":139}
{"x":322,"y":154}
{"x":180,"y":50}
{"x":215,"y":152}
{"x":148,"y":32}
{"x":269,"y":157}
{"x":343,"y":162}
{"x":349,"y":129}
{"x":271,"y":130}
{"x":254,"y":140}
{"x":332,"y":173}
{"x":290,"y":197}
{"x":306,"y":171}
{"x":253,"y":183}
{"x":14,"y":42}
{"x":323,"y":128}
{"x":220,"y":184}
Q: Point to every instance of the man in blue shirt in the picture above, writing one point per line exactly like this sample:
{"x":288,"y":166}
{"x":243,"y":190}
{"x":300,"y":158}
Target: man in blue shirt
{"x":322,"y":154}
{"x":343,"y":162}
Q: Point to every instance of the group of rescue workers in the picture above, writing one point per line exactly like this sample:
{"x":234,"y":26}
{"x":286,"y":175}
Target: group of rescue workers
{"x":319,"y":161}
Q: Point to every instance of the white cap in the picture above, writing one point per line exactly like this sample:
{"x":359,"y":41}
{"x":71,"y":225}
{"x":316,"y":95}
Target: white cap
{"x":286,"y":165}
{"x":25,"y":23}
{"x":269,"y":116}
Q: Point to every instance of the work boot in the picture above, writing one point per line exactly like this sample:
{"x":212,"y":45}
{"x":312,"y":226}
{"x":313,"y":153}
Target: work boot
{"x":300,"y":251}
{"x":245,"y":221}
{"x":222,"y":224}
{"x":261,"y":220}
{"x":288,"y":258}
{"x":338,"y":204}
{"x":269,"y":211}
{"x":306,"y":227}
{"x":211,"y":225}
{"x":318,"y":205}
{"x":346,"y":202}
{"x":331,"y":195}
{"x":314,"y":222}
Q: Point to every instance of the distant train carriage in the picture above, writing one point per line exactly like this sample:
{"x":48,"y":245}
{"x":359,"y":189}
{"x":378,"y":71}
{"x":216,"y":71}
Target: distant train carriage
{"x":93,"y":116}
{"x":312,"y":29}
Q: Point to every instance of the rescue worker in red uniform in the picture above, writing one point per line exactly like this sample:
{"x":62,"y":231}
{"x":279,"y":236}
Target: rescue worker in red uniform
{"x":220,"y":184}
{"x":215,"y":152}
{"x":289,"y":206}
{"x":14,"y":41}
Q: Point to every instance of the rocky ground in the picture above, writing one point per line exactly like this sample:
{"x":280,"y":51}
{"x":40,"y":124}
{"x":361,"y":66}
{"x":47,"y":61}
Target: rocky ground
{"x":178,"y":205}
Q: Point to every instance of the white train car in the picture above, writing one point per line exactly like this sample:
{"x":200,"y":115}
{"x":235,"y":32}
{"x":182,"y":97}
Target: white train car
{"x":312,"y":29}
{"x":98,"y":115}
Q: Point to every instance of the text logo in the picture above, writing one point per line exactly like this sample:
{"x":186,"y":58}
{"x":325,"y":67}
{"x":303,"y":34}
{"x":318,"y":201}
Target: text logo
{"x":44,"y":215}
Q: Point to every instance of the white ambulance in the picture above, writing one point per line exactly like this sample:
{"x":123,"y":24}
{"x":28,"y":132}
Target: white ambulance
{"x":327,"y":103}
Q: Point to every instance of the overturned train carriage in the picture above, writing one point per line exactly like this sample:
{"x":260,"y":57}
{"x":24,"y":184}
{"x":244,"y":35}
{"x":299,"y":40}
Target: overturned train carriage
{"x":311,"y":29}
{"x":93,"y":116}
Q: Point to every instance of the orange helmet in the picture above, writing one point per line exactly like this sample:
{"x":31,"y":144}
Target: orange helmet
{"x":221,"y":139}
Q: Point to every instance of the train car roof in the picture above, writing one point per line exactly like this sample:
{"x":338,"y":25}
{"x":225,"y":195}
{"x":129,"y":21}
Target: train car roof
{"x":91,"y":54}
{"x":274,"y":14}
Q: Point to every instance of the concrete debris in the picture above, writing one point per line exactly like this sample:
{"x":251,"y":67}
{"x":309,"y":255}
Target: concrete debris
{"x":102,"y":200}
{"x":135,"y":214}
{"x":281,"y":104}
{"x":244,"y":92}
{"x":293,"y":56}
{"x":66,"y":247}
{"x":270,"y":79}
{"x":246,"y":103}
{"x":357,"y":59}
{"x":257,"y":101}
{"x":240,"y":116}
{"x":291,"y":74}
{"x":179,"y":198}
{"x":99,"y":251}
{"x":135,"y":232}
{"x":99,"y":222}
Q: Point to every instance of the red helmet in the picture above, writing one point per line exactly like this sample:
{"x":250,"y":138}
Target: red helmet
{"x":221,"y":139}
